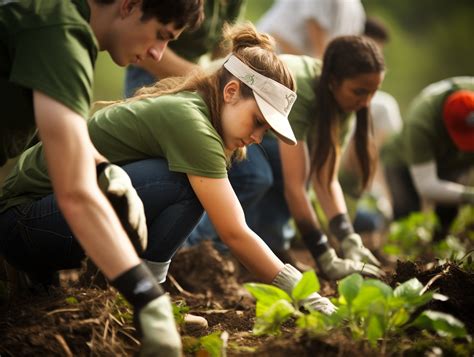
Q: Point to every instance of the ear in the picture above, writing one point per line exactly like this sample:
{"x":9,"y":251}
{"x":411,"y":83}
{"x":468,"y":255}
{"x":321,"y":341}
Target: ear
{"x":231,"y":91}
{"x":129,"y":6}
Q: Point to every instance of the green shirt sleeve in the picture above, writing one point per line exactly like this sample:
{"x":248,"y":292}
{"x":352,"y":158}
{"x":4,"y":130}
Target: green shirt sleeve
{"x":420,"y":134}
{"x":57,"y":61}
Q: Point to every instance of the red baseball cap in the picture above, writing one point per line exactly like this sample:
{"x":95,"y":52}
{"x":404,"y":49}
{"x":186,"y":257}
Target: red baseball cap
{"x":458,"y":115}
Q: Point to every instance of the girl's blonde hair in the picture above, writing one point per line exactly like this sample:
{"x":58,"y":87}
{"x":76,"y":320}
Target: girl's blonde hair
{"x":254,"y":49}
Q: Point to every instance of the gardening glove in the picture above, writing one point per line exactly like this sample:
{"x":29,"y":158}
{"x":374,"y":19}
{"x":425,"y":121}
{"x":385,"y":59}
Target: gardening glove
{"x":287,"y":280}
{"x":118,"y":188}
{"x":353,"y":249}
{"x":335,"y":268}
{"x":158,"y":329}
{"x":153,"y":315}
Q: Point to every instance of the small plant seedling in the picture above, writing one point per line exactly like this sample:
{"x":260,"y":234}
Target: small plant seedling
{"x":213,"y":345}
{"x":410,"y":236}
{"x":274,"y":306}
{"x":371,"y":309}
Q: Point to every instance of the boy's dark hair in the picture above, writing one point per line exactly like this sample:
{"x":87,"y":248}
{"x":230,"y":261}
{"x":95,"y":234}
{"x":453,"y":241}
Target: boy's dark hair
{"x":375,"y":29}
{"x":183,"y":13}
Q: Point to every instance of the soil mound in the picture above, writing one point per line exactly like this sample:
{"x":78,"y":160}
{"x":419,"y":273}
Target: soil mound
{"x":203,"y":270}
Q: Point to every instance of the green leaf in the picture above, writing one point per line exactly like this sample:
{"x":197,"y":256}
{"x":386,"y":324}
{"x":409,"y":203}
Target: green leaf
{"x":71,"y":300}
{"x":266,"y":293}
{"x":213,"y":344}
{"x":349,"y":287}
{"x":384,"y":288}
{"x":409,"y":288}
{"x":271,"y":320}
{"x":367,"y":296}
{"x":400,"y":317}
{"x":374,"y":330}
{"x":443,"y":324}
{"x":308,"y":284}
{"x":392,"y":249}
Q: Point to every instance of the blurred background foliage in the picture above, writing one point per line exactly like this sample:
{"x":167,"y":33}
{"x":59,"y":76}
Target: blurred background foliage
{"x":430,"y":40}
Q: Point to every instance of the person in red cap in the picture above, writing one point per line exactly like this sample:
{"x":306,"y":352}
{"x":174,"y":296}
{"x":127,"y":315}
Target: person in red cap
{"x":433,"y":157}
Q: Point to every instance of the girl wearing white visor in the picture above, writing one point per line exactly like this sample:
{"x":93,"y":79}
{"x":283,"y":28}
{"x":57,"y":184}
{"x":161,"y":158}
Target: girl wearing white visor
{"x":176,"y":140}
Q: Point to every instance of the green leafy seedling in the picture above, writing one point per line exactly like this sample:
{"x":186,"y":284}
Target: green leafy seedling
{"x":212,"y":345}
{"x":274,"y":306}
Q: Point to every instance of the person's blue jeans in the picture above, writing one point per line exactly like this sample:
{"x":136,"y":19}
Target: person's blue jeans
{"x":35,"y":237}
{"x":258,"y":184}
{"x":136,"y":77}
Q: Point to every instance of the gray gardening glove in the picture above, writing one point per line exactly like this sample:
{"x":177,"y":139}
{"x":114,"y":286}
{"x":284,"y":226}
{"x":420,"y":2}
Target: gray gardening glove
{"x":118,"y":188}
{"x":287,"y":280}
{"x":353,"y":249}
{"x":160,"y":338}
{"x":335,"y":268}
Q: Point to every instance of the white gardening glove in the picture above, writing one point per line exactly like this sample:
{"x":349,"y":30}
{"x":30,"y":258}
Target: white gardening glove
{"x":287,"y":280}
{"x":118,"y":188}
{"x":353,"y":249}
{"x":160,"y":338}
{"x":335,"y":268}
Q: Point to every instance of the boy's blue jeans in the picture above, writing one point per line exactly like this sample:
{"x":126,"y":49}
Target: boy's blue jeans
{"x":34,"y":237}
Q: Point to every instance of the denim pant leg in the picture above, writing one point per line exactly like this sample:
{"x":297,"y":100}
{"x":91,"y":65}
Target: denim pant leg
{"x":136,"y":77}
{"x":271,"y":214}
{"x":36,"y":238}
{"x":250,"y":179}
{"x":171,"y":206}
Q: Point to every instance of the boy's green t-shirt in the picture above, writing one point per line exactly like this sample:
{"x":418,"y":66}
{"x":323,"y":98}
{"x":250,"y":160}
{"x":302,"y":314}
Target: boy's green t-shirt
{"x":47,"y":46}
{"x":424,"y":136}
{"x":174,"y":127}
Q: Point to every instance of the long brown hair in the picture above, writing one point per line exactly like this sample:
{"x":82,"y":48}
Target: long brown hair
{"x":345,"y":57}
{"x":254,"y":49}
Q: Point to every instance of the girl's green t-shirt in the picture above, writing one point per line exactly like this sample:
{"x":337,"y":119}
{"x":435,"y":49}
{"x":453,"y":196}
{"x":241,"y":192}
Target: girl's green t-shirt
{"x":175,"y":127}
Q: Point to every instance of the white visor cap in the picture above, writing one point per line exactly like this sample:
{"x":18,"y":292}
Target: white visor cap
{"x":273,"y":98}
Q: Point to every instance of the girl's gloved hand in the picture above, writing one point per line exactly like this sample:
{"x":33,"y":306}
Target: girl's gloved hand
{"x":353,"y":249}
{"x":335,"y":268}
{"x":287,"y":280}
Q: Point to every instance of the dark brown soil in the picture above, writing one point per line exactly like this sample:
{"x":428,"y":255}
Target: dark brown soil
{"x":79,"y":320}
{"x":447,"y":279}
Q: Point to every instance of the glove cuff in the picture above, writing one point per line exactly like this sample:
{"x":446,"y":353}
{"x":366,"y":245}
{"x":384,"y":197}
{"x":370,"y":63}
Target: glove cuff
{"x":287,"y":278}
{"x":316,"y":242}
{"x":100,"y":167}
{"x":138,"y":286}
{"x":340,"y":226}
